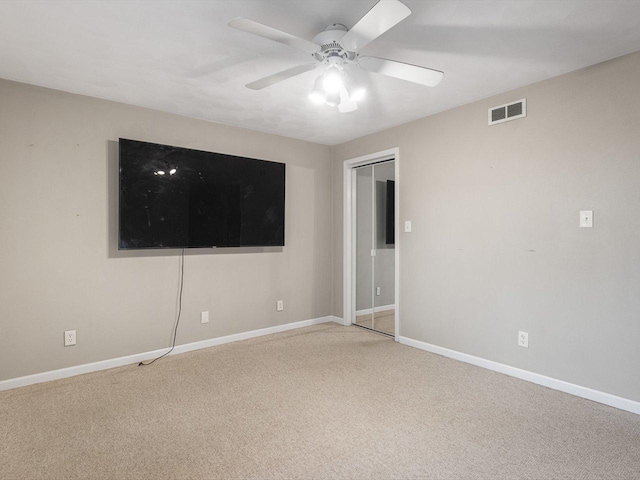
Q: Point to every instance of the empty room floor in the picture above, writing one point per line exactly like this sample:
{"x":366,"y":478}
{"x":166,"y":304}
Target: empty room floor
{"x":321,"y":402}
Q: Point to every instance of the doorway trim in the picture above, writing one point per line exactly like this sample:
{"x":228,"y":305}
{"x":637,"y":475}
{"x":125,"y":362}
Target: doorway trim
{"x":349,"y":216}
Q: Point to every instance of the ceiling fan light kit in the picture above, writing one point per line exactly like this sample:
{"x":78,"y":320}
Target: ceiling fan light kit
{"x":336,"y":48}
{"x":357,"y":92}
{"x":318,"y":95}
{"x":332,"y":81}
{"x":335,"y":87}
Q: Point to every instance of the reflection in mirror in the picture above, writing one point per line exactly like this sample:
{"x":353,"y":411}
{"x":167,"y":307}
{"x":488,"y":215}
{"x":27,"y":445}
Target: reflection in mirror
{"x":375,"y":249}
{"x":364,"y":240}
{"x":384,"y":261}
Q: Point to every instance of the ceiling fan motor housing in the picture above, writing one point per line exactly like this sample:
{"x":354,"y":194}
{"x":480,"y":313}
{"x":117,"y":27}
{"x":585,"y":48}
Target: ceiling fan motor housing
{"x":330,"y":47}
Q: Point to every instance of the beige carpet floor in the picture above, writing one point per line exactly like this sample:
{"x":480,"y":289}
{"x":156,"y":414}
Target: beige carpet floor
{"x":383,"y":321}
{"x":322,"y":402}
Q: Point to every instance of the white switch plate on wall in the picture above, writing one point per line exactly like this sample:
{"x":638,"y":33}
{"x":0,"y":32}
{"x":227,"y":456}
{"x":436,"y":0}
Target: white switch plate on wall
{"x":407,"y":226}
{"x":586,"y":219}
{"x":204,"y":317}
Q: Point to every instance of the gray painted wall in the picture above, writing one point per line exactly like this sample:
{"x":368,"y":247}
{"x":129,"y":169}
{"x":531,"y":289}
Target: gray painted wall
{"x":59,"y":265}
{"x":496,"y":247}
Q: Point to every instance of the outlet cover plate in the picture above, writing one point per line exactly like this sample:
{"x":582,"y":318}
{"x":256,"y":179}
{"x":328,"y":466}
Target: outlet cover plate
{"x":523,"y":339}
{"x":69,"y":338}
{"x":280,"y":305}
{"x":204,"y":317}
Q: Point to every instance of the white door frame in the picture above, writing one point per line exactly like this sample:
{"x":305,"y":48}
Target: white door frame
{"x":349,"y":203}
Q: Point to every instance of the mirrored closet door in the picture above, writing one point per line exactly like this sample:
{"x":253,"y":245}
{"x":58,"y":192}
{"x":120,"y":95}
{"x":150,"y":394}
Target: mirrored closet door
{"x":375,"y":249}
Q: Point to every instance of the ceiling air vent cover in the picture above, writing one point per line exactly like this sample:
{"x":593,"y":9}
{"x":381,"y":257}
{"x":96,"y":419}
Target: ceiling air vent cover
{"x":509,"y":111}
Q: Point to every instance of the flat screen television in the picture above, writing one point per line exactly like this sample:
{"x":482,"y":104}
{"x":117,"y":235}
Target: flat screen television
{"x":172,"y":197}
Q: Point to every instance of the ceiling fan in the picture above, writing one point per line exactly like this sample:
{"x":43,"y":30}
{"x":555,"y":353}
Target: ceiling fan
{"x":337,"y":49}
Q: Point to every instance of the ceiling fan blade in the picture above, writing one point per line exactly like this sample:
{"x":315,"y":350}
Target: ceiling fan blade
{"x":280,"y":76}
{"x":271,"y":33}
{"x":404,"y":71}
{"x":384,"y":15}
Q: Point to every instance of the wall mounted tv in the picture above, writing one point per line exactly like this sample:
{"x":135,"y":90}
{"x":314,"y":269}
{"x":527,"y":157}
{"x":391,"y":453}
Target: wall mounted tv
{"x":173,"y":197}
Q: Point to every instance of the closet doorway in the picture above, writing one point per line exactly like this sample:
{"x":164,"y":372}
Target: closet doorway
{"x":375,"y":247}
{"x":371,"y":233}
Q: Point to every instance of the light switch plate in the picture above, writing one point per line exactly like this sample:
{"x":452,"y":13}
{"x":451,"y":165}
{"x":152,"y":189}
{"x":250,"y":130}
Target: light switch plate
{"x":204,"y":317}
{"x":407,"y":226}
{"x":586,"y":219}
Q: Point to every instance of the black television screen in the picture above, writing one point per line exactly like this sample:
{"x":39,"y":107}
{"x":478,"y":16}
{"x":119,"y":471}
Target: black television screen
{"x":172,"y":197}
{"x":390,"y":230}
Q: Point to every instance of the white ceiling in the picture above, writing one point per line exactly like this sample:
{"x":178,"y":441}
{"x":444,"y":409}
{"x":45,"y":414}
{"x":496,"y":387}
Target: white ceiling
{"x":181,"y":57}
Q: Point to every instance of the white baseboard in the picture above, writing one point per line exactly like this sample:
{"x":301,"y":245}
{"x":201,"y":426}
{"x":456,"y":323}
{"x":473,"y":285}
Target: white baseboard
{"x":340,"y":320}
{"x":140,"y":357}
{"x":381,"y":308}
{"x":577,"y":390}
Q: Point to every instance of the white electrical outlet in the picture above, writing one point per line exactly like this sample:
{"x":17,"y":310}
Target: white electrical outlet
{"x":523,"y":339}
{"x":204,"y":317}
{"x":69,"y":338}
{"x":280,"y":305}
{"x":377,"y":291}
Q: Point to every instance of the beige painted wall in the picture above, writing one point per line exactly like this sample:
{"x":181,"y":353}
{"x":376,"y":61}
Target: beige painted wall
{"x":59,"y":265}
{"x":496,"y":247}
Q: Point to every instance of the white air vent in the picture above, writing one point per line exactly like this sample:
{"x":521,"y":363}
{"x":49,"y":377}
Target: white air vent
{"x":509,"y":111}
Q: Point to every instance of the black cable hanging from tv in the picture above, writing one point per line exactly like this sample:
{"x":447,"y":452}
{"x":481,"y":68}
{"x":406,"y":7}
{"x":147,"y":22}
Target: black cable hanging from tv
{"x":175,"y":330}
